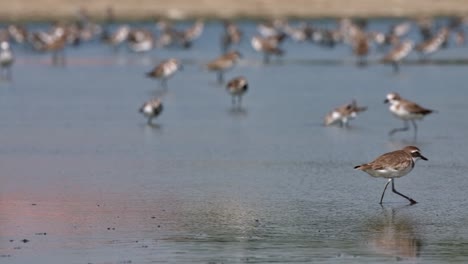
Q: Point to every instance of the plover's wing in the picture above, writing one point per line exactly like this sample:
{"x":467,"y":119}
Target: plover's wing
{"x":395,"y":160}
{"x":416,"y":109}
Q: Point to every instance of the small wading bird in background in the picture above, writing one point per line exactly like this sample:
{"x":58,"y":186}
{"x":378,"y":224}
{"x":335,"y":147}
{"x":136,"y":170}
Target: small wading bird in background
{"x":223,"y":63}
{"x":393,"y":165}
{"x":151,"y":109}
{"x":341,"y":115}
{"x":165,"y":70}
{"x":268,"y":46}
{"x":237,"y":87}
{"x":397,"y":54}
{"x":406,"y":111}
{"x":6,"y":60}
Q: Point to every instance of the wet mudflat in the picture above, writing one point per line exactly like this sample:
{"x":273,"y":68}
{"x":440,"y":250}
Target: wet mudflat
{"x":84,"y":179}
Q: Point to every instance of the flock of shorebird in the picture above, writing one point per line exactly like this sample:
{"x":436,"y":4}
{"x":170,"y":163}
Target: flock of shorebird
{"x":394,"y":45}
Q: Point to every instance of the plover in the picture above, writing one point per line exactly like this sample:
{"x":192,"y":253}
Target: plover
{"x":187,"y":37}
{"x":6,"y":59}
{"x":237,"y":87}
{"x":118,"y":37}
{"x":151,"y":109}
{"x":341,"y":115}
{"x":165,"y":70}
{"x":223,"y":63}
{"x":406,"y":111}
{"x":19,"y":33}
{"x":140,"y":40}
{"x":56,"y":45}
{"x":393,"y":165}
{"x":397,"y":54}
{"x":361,"y":48}
{"x":267,"y":46}
{"x":433,"y":44}
{"x":232,"y":35}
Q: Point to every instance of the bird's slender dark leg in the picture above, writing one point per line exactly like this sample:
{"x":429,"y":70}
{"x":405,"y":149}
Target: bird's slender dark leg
{"x":54,"y":58}
{"x":150,"y":121}
{"x":233,"y":100}
{"x":266,"y":58}
{"x":396,"y":67}
{"x":164,"y":83}
{"x":405,"y":128}
{"x":385,"y":188}
{"x":239,"y":100}
{"x":220,"y":77}
{"x":415,"y":129}
{"x":8,"y":74}
{"x":402,"y":195}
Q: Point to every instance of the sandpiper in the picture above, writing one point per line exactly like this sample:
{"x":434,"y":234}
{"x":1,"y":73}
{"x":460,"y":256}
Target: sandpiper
{"x":118,"y":37}
{"x":224,"y":63}
{"x":165,"y":70}
{"x":237,"y":87}
{"x":406,"y":111}
{"x":187,"y":37}
{"x":393,"y":165}
{"x":6,"y":59}
{"x":140,"y":40}
{"x":341,"y":115}
{"x":151,"y":109}
{"x":433,"y":44}
{"x":398,"y":53}
{"x":361,"y":48}
{"x":267,"y":46}
{"x":232,"y":35}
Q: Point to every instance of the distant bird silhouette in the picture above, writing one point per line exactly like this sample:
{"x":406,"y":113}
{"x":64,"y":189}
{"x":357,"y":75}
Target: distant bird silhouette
{"x":223,"y":63}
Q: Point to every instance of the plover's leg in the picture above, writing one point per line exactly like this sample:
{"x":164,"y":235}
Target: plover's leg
{"x":405,"y":128}
{"x":150,"y":119}
{"x":220,"y":77}
{"x":396,"y":67}
{"x":8,"y":73}
{"x":415,"y":128}
{"x":63,"y":59}
{"x":239,"y":100}
{"x":402,"y":195}
{"x":54,"y":58}
{"x":164,"y":83}
{"x":266,"y":58}
{"x":233,"y":100}
{"x":385,"y":188}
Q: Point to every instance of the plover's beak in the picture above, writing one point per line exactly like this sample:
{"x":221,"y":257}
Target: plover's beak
{"x":386,"y":101}
{"x":422,"y":157}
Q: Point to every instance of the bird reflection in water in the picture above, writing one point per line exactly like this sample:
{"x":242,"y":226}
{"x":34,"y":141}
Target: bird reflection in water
{"x":237,"y":111}
{"x":394,"y":234}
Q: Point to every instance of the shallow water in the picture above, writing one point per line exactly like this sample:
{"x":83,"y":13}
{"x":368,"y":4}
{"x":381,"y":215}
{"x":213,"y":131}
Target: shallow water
{"x":85,"y":180}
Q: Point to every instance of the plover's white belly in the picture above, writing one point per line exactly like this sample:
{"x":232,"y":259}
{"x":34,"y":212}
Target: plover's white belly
{"x":148,"y":110}
{"x":256,"y":44}
{"x":389,"y":172}
{"x":404,"y":114}
{"x":169,"y":70}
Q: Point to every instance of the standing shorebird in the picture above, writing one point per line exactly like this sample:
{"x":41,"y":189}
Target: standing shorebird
{"x":406,"y":111}
{"x":232,"y":35}
{"x":267,"y":46}
{"x":398,"y":53}
{"x":434,"y":44}
{"x":361,"y":48}
{"x":341,"y":115}
{"x":237,"y":87}
{"x":223,"y":63}
{"x":151,"y":109}
{"x":165,"y":70}
{"x":393,"y":165}
{"x":6,"y":60}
